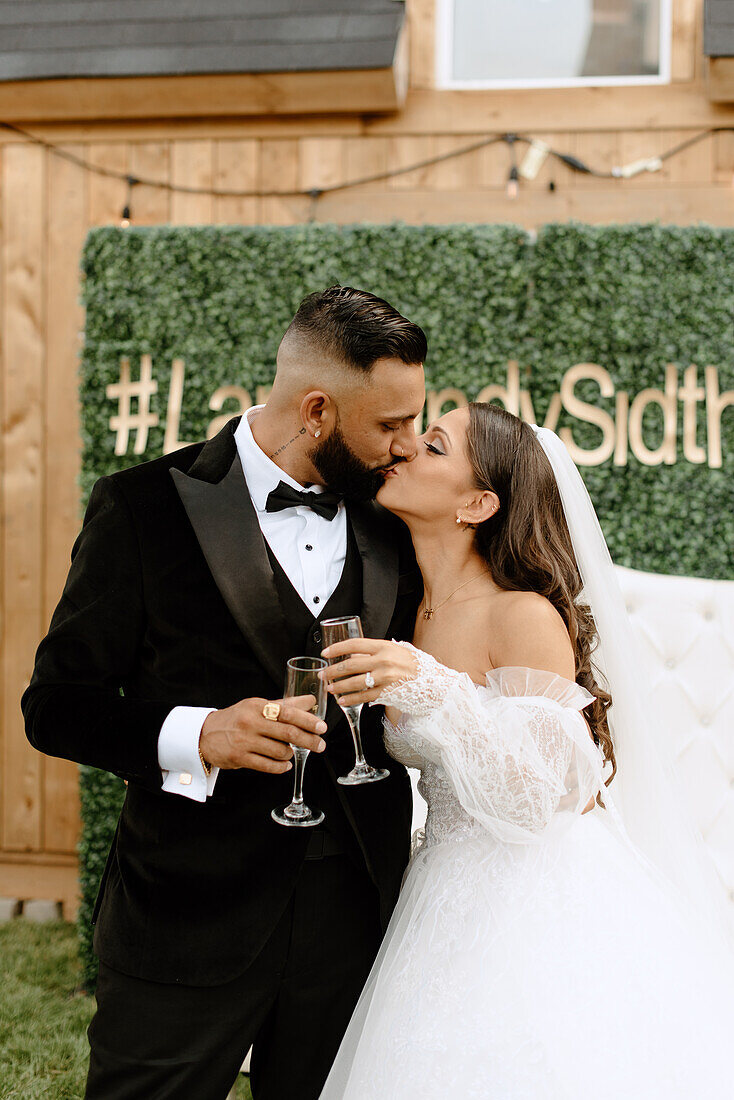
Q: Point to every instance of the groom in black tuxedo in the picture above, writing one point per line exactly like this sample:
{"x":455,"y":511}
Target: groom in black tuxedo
{"x":195,"y":577}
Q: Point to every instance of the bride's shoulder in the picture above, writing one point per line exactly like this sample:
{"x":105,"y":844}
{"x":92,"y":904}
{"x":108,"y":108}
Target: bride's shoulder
{"x":526,"y":630}
{"x":516,"y":609}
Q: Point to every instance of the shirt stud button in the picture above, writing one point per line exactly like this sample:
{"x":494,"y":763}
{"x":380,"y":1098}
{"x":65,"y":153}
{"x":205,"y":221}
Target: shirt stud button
{"x":316,"y":599}
{"x":309,"y":546}
{"x":185,"y":779}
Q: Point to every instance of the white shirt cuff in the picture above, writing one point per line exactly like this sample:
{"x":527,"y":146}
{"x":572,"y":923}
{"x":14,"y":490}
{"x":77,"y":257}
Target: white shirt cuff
{"x":178,"y":754}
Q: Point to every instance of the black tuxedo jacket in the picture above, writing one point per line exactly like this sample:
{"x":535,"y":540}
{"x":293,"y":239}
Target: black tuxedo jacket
{"x":171,"y":599}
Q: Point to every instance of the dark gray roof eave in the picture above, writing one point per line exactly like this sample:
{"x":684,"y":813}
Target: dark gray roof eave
{"x":323,"y":36}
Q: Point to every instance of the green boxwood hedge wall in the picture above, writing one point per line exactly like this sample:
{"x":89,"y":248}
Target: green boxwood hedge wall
{"x":630,"y":298}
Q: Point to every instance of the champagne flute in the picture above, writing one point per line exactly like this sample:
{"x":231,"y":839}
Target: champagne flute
{"x":337,"y":630}
{"x":302,"y":678}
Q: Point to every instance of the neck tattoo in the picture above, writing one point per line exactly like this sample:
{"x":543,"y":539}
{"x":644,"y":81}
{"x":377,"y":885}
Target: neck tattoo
{"x":281,"y":449}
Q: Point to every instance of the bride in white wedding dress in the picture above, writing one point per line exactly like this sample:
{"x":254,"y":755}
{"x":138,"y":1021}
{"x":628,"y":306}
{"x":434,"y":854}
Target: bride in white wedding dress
{"x":556,"y":938}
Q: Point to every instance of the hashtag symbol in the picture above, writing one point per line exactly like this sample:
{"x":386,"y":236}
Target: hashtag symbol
{"x":143,"y":419}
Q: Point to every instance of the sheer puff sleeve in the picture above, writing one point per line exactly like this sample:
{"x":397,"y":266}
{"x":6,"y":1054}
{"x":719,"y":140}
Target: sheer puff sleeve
{"x":516,"y":751}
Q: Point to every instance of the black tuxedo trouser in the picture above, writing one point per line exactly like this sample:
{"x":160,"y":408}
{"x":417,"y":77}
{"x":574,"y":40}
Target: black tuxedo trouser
{"x":151,"y":1041}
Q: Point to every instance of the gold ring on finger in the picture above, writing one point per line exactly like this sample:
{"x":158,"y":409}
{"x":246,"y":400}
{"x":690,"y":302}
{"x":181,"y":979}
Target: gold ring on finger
{"x":271,"y":711}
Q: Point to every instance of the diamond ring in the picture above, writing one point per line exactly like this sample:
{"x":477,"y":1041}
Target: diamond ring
{"x":369,"y":680}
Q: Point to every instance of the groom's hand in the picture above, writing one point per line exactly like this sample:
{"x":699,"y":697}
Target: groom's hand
{"x":240,"y":736}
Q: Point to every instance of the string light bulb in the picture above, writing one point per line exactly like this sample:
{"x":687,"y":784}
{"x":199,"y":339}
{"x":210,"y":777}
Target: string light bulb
{"x":126,"y":215}
{"x":513,"y":179}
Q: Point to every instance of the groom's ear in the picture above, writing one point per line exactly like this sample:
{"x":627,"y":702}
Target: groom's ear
{"x":318,"y":413}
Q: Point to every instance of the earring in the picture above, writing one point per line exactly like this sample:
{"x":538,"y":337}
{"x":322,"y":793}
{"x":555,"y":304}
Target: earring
{"x":459,"y":519}
{"x":317,"y":433}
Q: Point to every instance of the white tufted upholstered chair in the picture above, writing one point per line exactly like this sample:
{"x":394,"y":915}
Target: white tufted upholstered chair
{"x":687,"y":628}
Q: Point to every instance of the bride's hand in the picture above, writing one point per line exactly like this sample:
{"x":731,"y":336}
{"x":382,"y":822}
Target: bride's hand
{"x":386,"y":663}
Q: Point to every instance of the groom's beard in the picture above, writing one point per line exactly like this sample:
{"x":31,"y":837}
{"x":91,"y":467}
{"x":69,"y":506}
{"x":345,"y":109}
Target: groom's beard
{"x":343,"y":472}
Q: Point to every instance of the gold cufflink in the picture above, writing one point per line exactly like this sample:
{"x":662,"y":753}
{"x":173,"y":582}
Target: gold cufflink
{"x":185,"y":778}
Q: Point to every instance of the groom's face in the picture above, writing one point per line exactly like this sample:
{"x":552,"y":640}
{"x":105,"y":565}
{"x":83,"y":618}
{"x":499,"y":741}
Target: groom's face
{"x":373,"y":429}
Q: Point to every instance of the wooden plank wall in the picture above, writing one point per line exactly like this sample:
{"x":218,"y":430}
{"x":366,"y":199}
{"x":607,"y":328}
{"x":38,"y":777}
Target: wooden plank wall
{"x":47,"y":205}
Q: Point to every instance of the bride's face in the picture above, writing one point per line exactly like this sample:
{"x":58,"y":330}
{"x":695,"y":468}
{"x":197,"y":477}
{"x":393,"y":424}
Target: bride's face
{"x":439,"y":484}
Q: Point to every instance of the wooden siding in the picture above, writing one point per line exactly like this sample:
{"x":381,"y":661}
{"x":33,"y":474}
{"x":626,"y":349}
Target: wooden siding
{"x":206,"y":97}
{"x":47,"y":205}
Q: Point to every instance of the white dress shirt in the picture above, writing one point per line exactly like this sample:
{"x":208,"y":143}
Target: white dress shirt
{"x":312,"y":551}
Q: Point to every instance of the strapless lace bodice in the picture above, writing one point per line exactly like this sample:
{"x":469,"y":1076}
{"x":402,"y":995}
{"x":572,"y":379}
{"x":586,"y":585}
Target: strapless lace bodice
{"x":446,"y":819}
{"x":503,"y":759}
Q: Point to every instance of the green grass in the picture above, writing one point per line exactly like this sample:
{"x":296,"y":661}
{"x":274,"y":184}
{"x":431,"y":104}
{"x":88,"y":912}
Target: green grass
{"x":43,"y":1019}
{"x":44,"y":1016}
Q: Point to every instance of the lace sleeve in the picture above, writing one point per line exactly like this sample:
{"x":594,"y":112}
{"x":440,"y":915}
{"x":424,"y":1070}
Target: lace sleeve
{"x":515,"y":760}
{"x":426,"y":691}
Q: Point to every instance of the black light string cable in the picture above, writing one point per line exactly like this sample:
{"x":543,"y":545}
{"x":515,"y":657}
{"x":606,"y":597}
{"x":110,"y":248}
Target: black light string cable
{"x":222,"y":193}
{"x":645,"y":164}
{"x":537,"y":153}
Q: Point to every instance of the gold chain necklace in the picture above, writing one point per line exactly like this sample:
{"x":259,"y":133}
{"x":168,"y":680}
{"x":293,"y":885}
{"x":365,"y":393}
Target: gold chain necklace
{"x":429,"y":612}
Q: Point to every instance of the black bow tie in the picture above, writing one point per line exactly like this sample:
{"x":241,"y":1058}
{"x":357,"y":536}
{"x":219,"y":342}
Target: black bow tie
{"x":285,"y":496}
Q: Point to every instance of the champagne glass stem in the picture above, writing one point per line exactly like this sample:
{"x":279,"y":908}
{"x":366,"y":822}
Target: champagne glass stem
{"x":353,"y":715}
{"x":299,"y":765}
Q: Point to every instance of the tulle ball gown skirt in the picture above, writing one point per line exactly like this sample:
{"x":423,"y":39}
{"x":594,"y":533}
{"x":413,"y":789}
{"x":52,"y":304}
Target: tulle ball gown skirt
{"x":557,"y":972}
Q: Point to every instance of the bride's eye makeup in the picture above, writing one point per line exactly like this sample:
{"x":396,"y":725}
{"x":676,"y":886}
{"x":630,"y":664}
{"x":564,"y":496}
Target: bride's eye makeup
{"x":434,"y":450}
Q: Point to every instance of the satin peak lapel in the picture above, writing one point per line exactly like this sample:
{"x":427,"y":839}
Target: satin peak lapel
{"x":226,"y":527}
{"x":380,"y":567}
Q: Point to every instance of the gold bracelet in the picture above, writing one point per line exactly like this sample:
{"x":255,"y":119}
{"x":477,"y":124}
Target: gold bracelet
{"x":205,"y":764}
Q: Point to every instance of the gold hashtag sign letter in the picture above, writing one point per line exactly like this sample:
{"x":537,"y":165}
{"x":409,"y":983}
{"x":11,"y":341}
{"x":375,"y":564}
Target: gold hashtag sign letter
{"x":126,"y":420}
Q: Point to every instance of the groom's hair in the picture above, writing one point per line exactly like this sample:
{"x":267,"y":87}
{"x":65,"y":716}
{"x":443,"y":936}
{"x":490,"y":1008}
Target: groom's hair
{"x":356,"y":328}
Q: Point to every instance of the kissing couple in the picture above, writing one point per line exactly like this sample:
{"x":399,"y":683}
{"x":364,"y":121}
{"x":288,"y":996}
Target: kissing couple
{"x":554,"y":935}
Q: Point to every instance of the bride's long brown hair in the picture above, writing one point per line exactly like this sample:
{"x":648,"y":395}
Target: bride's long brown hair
{"x":526,"y":543}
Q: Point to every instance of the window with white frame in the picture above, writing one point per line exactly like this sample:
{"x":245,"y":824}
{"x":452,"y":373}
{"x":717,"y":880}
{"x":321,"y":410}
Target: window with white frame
{"x":552,"y":43}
